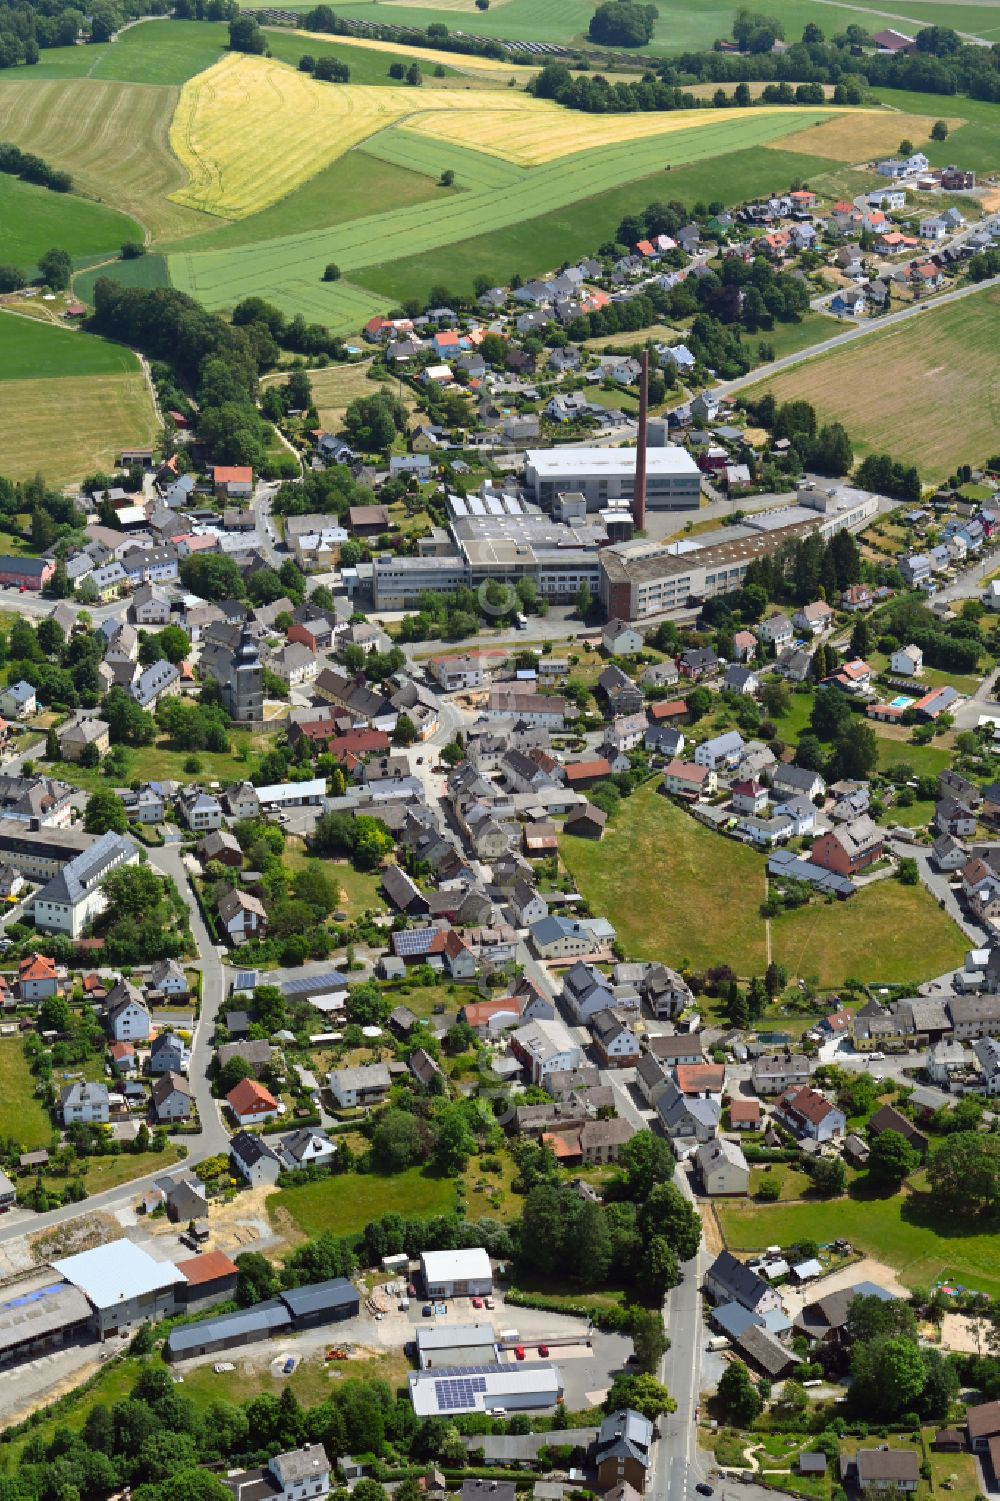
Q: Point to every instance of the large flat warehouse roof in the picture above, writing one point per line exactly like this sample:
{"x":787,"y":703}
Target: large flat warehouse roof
{"x":610,"y":461}
{"x":112,"y":1274}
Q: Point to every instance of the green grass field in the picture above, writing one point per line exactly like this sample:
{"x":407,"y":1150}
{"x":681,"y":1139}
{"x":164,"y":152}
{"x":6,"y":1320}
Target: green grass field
{"x":481,"y":230}
{"x":900,"y":1230}
{"x":674,"y":890}
{"x":564,"y":233}
{"x":22,"y":1116}
{"x":873,"y":935}
{"x":367,"y":66}
{"x":679,"y":26}
{"x":344,"y":1204}
{"x":163,"y":52}
{"x":147,"y":271}
{"x":347,"y":189}
{"x":33,"y":220}
{"x":30,"y":350}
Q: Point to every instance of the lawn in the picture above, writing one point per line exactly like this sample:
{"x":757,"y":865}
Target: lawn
{"x":898,"y":1230}
{"x":160,"y":762}
{"x":22,"y":1116}
{"x":103,"y":1173}
{"x":31,"y":350}
{"x":368,"y":65}
{"x":872,"y":935}
{"x":345,"y":1203}
{"x":95,"y":416}
{"x":796,"y":718}
{"x":33,"y":219}
{"x":789,"y":338}
{"x":674,"y":890}
{"x":359,"y":889}
{"x":113,"y":138}
{"x":936,"y":423}
{"x":926,"y":760}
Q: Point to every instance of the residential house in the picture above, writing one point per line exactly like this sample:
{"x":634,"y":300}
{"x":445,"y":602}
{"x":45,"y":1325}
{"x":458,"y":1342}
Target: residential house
{"x":776,"y":631}
{"x":258,"y":1163}
{"x":367,"y":1084}
{"x":683,"y":779}
{"x":722,"y":1167}
{"x":775,"y":1073}
{"x":251,"y":1104}
{"x":907,"y":661}
{"x":849,"y":849}
{"x":807,"y":1113}
{"x":619,"y":639}
{"x":169,"y":1054}
{"x":37,"y":977}
{"x":813,"y":619}
{"x":80,"y":734}
{"x":242,"y":916}
{"x":721,"y":751}
{"x":171,"y":1098}
{"x":623,"y":1450}
{"x":85,"y":1104}
{"x":729,"y":1280}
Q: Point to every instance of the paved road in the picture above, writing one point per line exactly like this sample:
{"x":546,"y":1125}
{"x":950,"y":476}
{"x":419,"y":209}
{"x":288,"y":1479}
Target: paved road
{"x":849,"y":336}
{"x":213,"y":1137}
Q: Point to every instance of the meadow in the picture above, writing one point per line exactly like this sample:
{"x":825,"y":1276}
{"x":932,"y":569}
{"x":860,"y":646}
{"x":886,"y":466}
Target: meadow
{"x":679,"y":25}
{"x":113,"y":138}
{"x":33,"y":220}
{"x":871,"y":935}
{"x":22,"y":1115}
{"x":30,"y":349}
{"x":940,"y":405}
{"x":95,"y":417}
{"x":345,"y":1204}
{"x":674,"y":890}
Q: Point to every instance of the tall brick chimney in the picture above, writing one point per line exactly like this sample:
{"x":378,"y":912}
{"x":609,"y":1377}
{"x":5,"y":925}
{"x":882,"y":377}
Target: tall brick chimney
{"x":639,"y":490}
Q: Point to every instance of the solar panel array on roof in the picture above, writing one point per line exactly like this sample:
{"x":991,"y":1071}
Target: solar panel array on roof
{"x":457,"y":1393}
{"x":301,"y":984}
{"x":413,"y":941}
{"x":246,"y":979}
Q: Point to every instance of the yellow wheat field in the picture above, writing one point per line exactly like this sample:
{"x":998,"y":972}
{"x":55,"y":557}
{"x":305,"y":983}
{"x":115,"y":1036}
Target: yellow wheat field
{"x":861,"y":136}
{"x":465,"y":62}
{"x":530,"y":137}
{"x":250,"y":130}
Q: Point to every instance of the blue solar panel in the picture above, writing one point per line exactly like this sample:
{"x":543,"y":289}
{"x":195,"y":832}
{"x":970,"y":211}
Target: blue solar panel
{"x":457,"y":1393}
{"x":246,"y":979}
{"x":332,"y":978}
{"x":413,"y":940}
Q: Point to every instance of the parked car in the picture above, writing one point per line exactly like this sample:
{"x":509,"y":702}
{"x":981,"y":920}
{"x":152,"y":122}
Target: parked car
{"x":289,"y":1366}
{"x":543,"y":1351}
{"x":477,"y":1302}
{"x":518,"y":1352}
{"x":427,"y":1310}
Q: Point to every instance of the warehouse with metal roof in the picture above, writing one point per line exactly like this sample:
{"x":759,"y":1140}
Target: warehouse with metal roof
{"x":123,"y":1284}
{"x":515,"y":1388}
{"x":298,"y":1308}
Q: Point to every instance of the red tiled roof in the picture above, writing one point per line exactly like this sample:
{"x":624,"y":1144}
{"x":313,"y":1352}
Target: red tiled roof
{"x":249,"y":1098}
{"x":207,"y":1267}
{"x":232,"y":474}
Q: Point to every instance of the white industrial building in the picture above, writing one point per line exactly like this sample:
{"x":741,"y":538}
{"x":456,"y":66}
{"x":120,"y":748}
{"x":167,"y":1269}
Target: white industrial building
{"x":123,"y":1284}
{"x":457,"y":1274}
{"x":492,"y":1389}
{"x":673,"y":479}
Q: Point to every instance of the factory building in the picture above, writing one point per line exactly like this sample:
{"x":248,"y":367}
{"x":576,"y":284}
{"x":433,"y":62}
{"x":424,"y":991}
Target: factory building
{"x":457,"y":1274}
{"x":673,"y":479}
{"x":641,"y":579}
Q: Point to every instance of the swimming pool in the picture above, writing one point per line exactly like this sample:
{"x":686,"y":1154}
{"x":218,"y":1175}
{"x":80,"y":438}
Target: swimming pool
{"x":901,"y":702}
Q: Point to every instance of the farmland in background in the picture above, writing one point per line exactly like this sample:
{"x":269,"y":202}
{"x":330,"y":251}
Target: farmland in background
{"x":33,"y":220}
{"x":942,"y":400}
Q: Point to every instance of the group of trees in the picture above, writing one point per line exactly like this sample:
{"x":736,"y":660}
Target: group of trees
{"x":63,"y":672}
{"x":595,"y":95}
{"x":643,"y":1233}
{"x":31,"y":168}
{"x":622,"y":23}
{"x":838,"y":742}
{"x":889,"y":476}
{"x":365,"y":840}
{"x":325,"y":69}
{"x":890,"y":1374}
{"x":827,"y":449}
{"x":952,"y":647}
{"x":145,"y":917}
